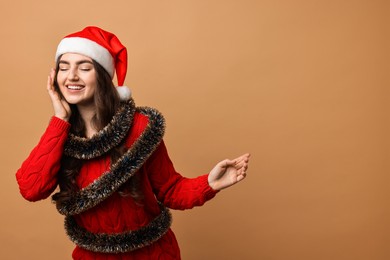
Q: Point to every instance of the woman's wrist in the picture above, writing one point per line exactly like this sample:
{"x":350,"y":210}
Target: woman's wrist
{"x":66,"y":119}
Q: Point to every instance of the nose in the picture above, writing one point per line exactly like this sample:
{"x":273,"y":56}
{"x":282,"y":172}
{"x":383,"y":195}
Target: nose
{"x":73,"y":75}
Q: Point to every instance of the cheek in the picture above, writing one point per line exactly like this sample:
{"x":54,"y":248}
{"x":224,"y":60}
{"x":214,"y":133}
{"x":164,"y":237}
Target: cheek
{"x":92,"y":82}
{"x":93,"y":89}
{"x":60,"y":79}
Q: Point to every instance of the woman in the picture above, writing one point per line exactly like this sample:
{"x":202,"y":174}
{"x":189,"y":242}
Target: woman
{"x":116,"y":181}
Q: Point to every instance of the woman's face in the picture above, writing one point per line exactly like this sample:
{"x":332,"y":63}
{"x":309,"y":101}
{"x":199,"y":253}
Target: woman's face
{"x":76,"y":79}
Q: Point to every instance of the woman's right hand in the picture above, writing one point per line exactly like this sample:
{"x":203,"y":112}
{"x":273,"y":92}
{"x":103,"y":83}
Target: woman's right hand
{"x":60,"y":106}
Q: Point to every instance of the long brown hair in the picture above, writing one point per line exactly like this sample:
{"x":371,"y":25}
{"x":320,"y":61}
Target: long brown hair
{"x":107,"y":102}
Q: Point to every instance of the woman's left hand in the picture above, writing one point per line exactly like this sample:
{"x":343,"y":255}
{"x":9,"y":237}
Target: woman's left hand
{"x":228,"y":172}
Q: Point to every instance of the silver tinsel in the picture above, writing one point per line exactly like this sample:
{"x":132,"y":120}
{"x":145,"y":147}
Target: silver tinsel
{"x":122,"y":242}
{"x":122,"y":170}
{"x":106,"y":139}
{"x":110,"y":181}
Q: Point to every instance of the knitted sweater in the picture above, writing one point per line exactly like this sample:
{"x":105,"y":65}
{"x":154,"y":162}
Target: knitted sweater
{"x":37,"y":179}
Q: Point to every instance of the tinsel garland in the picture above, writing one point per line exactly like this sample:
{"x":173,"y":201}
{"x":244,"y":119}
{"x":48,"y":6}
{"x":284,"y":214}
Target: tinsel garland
{"x":126,"y":166}
{"x":106,"y":139}
{"x":109,"y":182}
{"x":122,"y":242}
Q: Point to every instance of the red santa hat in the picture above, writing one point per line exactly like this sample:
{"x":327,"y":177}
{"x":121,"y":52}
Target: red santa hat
{"x":103,"y":47}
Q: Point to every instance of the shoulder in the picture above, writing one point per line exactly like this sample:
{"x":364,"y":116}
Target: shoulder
{"x":147,"y":117}
{"x":147,"y":121}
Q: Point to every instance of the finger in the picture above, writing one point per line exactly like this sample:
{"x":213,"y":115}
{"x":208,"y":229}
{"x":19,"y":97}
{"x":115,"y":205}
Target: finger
{"x":240,"y":177}
{"x":243,"y":162}
{"x":50,"y":78}
{"x":226,"y":163}
{"x":53,"y":95}
{"x":52,"y":74}
{"x":48,"y":86}
{"x":244,"y":157}
{"x":240,"y":165}
{"x":241,"y":171}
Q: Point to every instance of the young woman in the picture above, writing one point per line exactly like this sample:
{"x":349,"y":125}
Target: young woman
{"x":116,"y":181}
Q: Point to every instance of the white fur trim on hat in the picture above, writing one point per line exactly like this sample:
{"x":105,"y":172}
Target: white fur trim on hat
{"x":124,"y":92}
{"x":88,"y":48}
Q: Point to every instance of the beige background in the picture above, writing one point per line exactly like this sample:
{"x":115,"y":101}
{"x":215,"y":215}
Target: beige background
{"x":302,"y":85}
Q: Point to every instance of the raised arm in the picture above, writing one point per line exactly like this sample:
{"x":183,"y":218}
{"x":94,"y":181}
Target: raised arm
{"x":37,"y":177}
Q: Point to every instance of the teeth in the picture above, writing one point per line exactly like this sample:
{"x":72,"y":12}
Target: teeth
{"x":75,"y":87}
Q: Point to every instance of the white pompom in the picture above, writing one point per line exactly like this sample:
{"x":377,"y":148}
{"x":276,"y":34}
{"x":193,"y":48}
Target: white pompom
{"x":124,"y":92}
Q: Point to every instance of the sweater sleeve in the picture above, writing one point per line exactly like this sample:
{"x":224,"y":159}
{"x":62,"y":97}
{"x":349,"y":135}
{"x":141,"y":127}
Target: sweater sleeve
{"x":37,"y":176}
{"x":171,"y":188}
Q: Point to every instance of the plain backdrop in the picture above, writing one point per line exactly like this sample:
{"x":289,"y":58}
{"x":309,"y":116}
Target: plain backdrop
{"x":302,"y":85}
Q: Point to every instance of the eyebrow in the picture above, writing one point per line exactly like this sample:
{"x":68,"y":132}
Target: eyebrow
{"x":77,"y":63}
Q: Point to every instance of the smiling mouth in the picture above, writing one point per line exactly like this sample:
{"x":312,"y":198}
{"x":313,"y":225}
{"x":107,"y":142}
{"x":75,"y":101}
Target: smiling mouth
{"x":74,"y":87}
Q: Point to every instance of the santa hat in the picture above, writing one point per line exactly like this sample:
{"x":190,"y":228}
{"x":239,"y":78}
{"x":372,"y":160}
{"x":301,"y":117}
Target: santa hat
{"x":103,"y":47}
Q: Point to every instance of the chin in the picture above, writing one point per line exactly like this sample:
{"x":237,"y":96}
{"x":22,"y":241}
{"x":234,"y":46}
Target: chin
{"x":72,"y":101}
{"x":81,"y":102}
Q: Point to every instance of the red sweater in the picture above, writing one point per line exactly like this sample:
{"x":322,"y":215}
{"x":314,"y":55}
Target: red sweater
{"x":37,"y":179}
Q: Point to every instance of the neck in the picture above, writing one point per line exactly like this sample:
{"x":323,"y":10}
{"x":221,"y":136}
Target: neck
{"x":87,"y":113}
